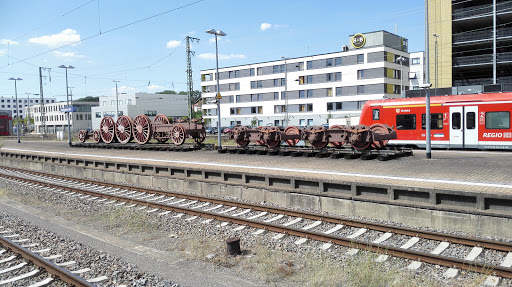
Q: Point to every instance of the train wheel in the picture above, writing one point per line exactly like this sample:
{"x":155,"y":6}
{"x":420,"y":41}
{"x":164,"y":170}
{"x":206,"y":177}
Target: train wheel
{"x":96,"y":136}
{"x":337,"y":144}
{"x":379,"y":129}
{"x":124,"y":129}
{"x":82,"y":134}
{"x":319,"y":145}
{"x":161,"y":137}
{"x":201,"y":136}
{"x":291,"y":130}
{"x":360,"y":145}
{"x":142,"y":130}
{"x":107,"y":129}
{"x":178,"y":135}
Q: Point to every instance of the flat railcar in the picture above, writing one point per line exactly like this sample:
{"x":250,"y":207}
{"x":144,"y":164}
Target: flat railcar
{"x":474,"y":121}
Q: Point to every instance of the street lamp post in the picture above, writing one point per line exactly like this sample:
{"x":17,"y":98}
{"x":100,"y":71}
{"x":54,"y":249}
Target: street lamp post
{"x":17,"y":107}
{"x":285,"y":92}
{"x":67,"y":97}
{"x":401,"y":59}
{"x":218,"y":97}
{"x":435,"y":51}
{"x":28,"y":110}
{"x":427,"y":120}
{"x":117,"y":100}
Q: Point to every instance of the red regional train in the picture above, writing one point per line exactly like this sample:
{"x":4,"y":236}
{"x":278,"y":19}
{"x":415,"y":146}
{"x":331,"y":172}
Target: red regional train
{"x":477,"y":121}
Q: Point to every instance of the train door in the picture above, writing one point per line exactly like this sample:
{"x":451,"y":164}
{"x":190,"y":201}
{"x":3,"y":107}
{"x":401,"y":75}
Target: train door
{"x":471,"y":127}
{"x":456,"y":127}
{"x":464,"y":127}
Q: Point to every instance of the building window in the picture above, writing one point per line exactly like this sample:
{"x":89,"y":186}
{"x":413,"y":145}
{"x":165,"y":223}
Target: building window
{"x":260,"y":71}
{"x":360,"y":90}
{"x":231,"y":74}
{"x":275,"y":69}
{"x":338,"y":77}
{"x":259,"y":84}
{"x":276,"y":96}
{"x":360,"y":105}
{"x":234,"y":86}
{"x":129,"y":101}
{"x":279,"y":109}
{"x":306,"y":108}
{"x":301,"y":80}
{"x":309,"y":93}
{"x":301,"y":94}
{"x":276,"y":83}
{"x":328,"y":62}
{"x":112,"y":102}
{"x":256,"y":110}
{"x":283,"y":81}
{"x":415,"y":61}
{"x":360,"y":74}
{"x":360,"y":59}
{"x":309,"y":79}
{"x":339,"y":106}
{"x":150,"y":113}
{"x":283,"y":95}
{"x":251,"y":72}
{"x":329,"y":107}
{"x":329,"y":77}
{"x":98,"y":115}
{"x":309,"y":65}
{"x":329,"y":92}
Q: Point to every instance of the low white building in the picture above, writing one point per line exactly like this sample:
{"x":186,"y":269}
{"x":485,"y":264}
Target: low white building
{"x":56,"y":117}
{"x":171,"y":105}
{"x":319,"y":87}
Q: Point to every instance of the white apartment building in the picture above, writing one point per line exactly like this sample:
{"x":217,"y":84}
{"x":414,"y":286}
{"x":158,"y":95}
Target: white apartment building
{"x":319,"y":87}
{"x":171,"y":105}
{"x":20,"y":108}
{"x":417,"y":70}
{"x":56,"y":119}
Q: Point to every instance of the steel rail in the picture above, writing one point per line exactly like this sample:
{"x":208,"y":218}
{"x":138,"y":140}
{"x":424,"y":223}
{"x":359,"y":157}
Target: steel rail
{"x":378,"y":248}
{"x":47,"y":265}
{"x":438,"y":236}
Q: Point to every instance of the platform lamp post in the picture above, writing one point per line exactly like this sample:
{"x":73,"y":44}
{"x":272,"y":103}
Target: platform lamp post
{"x":17,"y":107}
{"x":67,"y":97}
{"x":435,"y":51}
{"x":401,"y":59}
{"x":427,"y":119}
{"x":28,"y":110}
{"x":218,"y":97}
{"x":117,"y":100}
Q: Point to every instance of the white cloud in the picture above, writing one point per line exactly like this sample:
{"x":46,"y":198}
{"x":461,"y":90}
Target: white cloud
{"x":3,"y":52}
{"x":155,"y":87}
{"x":212,"y":40}
{"x":265,"y":26}
{"x":211,"y":56}
{"x":7,"y":41}
{"x":123,"y":89}
{"x":67,"y":54}
{"x":173,"y":44}
{"x":67,"y":36}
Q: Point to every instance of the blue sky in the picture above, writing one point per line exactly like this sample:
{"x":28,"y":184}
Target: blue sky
{"x":149,"y":56}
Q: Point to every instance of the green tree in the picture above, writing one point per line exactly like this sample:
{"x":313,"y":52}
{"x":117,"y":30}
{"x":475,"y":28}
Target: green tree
{"x":88,"y":99}
{"x":170,"y":92}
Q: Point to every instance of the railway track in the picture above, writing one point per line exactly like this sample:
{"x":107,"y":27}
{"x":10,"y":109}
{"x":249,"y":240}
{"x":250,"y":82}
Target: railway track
{"x":265,"y":218}
{"x":33,"y":266}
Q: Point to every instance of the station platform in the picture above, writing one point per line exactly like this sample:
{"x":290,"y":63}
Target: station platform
{"x":475,"y":171}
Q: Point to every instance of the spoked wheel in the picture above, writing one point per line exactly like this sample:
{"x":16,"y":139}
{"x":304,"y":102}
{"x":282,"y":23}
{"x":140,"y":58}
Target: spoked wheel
{"x":319,"y":145}
{"x":379,"y":129}
{"x":360,"y":145}
{"x":178,"y":135}
{"x":82,"y":135}
{"x":238,"y":133}
{"x":201,"y":136}
{"x":337,"y":144}
{"x":142,"y":129}
{"x":161,"y":137}
{"x":291,"y":130}
{"x":124,"y":129}
{"x":107,"y":129}
{"x":96,"y":136}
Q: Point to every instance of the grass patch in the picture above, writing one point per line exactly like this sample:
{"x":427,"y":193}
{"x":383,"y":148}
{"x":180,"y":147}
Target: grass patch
{"x":123,"y":221}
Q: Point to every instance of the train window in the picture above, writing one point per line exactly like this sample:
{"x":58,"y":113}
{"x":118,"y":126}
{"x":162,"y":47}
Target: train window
{"x":470,"y":120}
{"x":406,"y":122}
{"x":436,"y":121}
{"x":376,"y":114}
{"x":497,"y":120}
{"x":456,"y":121}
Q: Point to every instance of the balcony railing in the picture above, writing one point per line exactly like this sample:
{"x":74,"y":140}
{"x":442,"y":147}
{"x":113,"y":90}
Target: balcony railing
{"x":481,"y":35}
{"x":480,"y":10}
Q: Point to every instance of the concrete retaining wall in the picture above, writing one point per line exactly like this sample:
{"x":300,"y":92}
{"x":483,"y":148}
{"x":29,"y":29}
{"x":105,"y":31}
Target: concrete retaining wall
{"x":484,"y":214}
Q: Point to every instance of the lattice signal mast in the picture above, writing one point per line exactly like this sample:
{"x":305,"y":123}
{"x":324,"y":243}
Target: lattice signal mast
{"x":190,"y":83}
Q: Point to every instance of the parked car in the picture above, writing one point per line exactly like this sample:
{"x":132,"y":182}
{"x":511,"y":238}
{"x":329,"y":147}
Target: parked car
{"x":211,"y":130}
{"x":227,"y":130}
